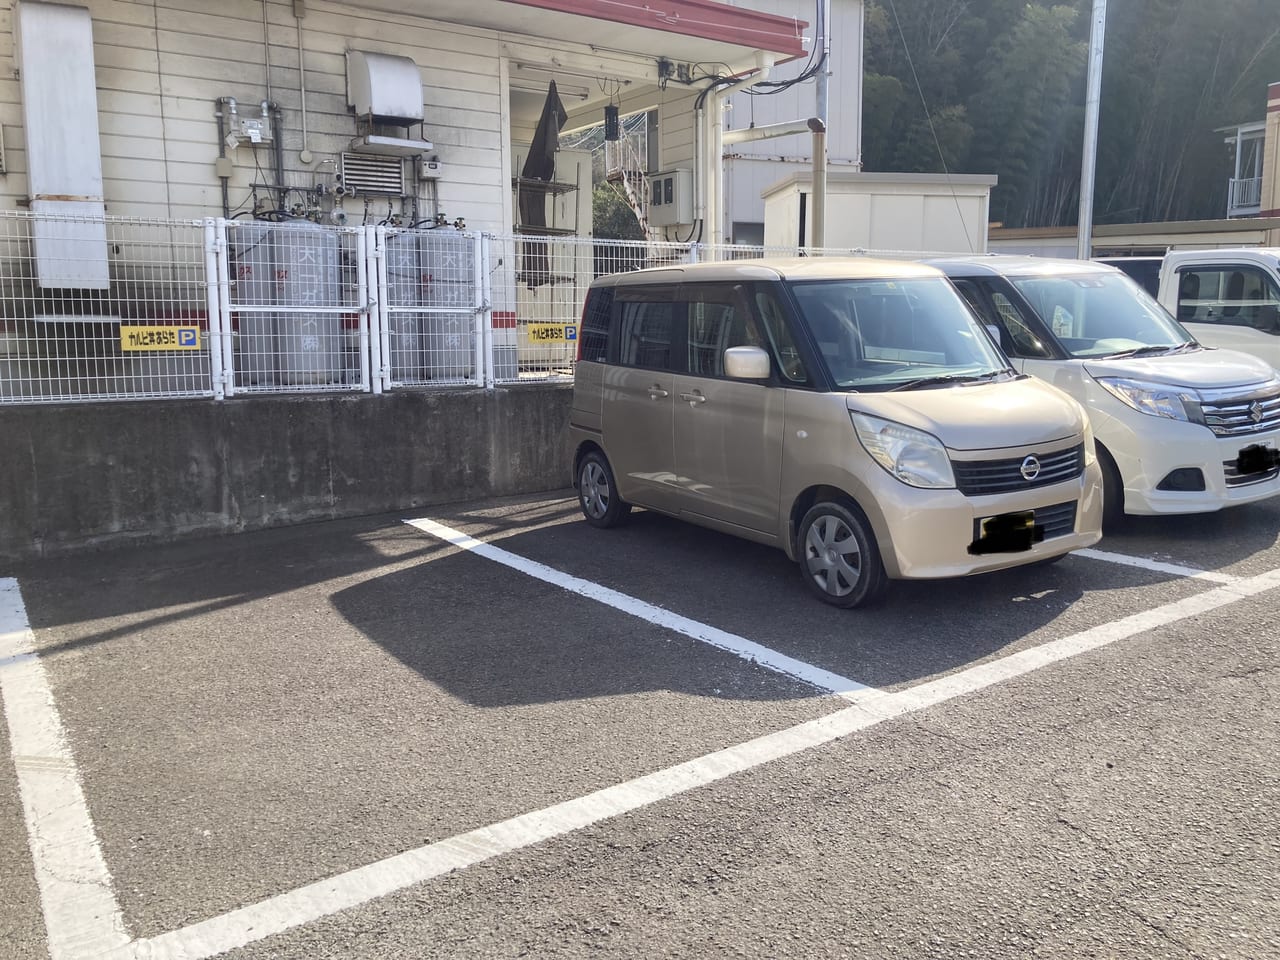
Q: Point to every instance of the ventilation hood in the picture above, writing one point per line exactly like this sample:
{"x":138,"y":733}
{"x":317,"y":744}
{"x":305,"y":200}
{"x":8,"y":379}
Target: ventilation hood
{"x":385,"y":87}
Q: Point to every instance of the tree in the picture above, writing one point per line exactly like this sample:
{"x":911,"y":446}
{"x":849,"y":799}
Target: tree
{"x":1028,"y":117}
{"x":611,"y":217}
{"x":1003,"y":82}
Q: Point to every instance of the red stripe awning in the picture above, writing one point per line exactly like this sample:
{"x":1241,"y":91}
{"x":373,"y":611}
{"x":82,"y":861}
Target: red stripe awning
{"x":708,"y":19}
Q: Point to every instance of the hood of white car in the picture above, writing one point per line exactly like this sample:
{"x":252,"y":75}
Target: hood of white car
{"x":1201,"y":370}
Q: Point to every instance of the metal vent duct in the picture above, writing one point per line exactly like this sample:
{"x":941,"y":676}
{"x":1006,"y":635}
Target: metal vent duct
{"x":365,"y":173}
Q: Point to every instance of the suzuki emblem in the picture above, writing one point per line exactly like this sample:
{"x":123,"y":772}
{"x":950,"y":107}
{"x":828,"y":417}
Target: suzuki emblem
{"x":1255,"y":411}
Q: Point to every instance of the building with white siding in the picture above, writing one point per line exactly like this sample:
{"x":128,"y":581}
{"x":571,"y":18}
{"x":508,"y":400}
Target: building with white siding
{"x":164,"y":74}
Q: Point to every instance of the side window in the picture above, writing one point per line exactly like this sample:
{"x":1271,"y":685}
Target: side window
{"x":595,"y":324}
{"x":1017,"y":337}
{"x":645,"y":330}
{"x":1021,"y":338}
{"x":720,"y":316}
{"x":1238,"y":295}
{"x":786,"y":355}
{"x":969,"y":290}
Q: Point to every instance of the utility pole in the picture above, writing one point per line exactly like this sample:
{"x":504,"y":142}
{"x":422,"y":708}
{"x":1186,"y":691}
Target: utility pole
{"x":1089,"y":161}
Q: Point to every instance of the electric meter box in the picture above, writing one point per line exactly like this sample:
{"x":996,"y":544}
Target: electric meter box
{"x":671,"y":198}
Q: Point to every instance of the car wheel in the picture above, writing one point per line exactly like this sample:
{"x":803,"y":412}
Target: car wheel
{"x":839,"y":559}
{"x":597,"y":493}
{"x":1112,"y":490}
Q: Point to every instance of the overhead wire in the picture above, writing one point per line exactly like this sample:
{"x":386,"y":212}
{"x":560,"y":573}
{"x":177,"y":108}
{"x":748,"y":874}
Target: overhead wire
{"x":893,"y":7}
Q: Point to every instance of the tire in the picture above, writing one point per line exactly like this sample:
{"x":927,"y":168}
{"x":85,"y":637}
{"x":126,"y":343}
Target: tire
{"x":598,"y":494}
{"x":1112,"y":490}
{"x":839,"y":559}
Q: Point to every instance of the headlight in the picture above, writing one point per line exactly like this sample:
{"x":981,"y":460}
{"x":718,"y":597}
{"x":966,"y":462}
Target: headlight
{"x":1155,"y":399}
{"x":913,"y":456}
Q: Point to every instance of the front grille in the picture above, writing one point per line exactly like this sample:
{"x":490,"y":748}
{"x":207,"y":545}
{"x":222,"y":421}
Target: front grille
{"x":1231,"y":474}
{"x":978,"y":478}
{"x":1058,"y":520}
{"x":1243,"y":414}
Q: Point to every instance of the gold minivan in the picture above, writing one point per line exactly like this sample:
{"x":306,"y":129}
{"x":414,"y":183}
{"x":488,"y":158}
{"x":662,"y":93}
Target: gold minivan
{"x":850,"y":411}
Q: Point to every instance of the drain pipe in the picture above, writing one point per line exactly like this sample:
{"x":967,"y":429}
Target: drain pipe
{"x":715,"y":149}
{"x":223,"y":166}
{"x":818,"y":238}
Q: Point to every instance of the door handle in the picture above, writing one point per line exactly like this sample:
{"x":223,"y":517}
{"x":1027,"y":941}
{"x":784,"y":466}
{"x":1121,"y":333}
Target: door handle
{"x":657,"y":393}
{"x":694,"y":397}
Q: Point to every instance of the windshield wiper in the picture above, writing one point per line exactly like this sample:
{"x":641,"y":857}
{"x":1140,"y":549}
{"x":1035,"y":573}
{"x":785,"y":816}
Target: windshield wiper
{"x":947,"y":378}
{"x":1149,"y":351}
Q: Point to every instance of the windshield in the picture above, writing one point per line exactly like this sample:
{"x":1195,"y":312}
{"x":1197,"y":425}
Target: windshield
{"x":896,"y":334}
{"x":1103,"y":315}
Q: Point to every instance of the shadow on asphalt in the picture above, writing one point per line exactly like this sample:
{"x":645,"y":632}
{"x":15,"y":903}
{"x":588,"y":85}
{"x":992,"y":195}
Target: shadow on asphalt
{"x":495,"y":637}
{"x":922,"y":629}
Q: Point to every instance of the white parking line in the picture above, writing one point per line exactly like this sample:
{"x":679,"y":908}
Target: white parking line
{"x":732,"y":643}
{"x":81,"y":916}
{"x":359,"y":886}
{"x":1157,"y":566}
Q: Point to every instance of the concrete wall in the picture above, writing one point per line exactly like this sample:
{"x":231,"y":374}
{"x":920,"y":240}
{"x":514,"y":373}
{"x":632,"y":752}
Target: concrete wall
{"x":81,"y":475}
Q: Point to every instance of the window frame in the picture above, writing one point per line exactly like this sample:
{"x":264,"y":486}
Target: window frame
{"x":748,"y":292}
{"x":645,"y":294}
{"x":1221,"y":320}
{"x":987,"y":287}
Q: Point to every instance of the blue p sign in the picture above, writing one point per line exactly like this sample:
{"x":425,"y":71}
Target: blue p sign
{"x":187,"y":337}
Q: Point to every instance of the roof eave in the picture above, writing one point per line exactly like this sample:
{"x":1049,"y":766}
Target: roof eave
{"x":708,"y":19}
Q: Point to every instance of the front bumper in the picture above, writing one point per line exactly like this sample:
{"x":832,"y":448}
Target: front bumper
{"x":1147,"y":458}
{"x":928,"y":534}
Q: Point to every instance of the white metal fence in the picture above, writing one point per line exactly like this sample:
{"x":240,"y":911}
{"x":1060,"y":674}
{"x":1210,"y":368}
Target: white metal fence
{"x":215,"y":308}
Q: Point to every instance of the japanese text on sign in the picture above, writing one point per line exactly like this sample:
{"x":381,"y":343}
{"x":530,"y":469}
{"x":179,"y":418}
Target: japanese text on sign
{"x":552,"y":332}
{"x":159,"y":338}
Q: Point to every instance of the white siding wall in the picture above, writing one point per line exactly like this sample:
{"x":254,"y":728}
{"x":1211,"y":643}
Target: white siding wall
{"x":160,"y":68}
{"x":676,"y":133}
{"x":844,"y":90}
{"x":745,"y":181}
{"x":763,"y":163}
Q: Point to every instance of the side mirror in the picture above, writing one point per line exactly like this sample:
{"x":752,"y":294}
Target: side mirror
{"x":746,"y":363}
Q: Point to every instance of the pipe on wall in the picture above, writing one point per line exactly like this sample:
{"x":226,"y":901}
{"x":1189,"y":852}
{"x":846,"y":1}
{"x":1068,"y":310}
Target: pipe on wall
{"x":714,"y":151}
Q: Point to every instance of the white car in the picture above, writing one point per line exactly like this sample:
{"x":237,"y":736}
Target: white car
{"x":1179,"y":428}
{"x":1227,"y":297}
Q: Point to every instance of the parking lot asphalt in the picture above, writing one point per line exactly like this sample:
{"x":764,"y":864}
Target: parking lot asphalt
{"x":359,"y":739}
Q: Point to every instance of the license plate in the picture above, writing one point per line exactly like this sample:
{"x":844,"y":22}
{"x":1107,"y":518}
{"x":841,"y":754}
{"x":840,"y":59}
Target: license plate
{"x":1257,"y":459}
{"x":1007,"y":533}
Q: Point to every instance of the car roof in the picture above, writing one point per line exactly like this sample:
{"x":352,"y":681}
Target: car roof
{"x":1226,"y":253}
{"x":776,"y":268}
{"x":994,"y":265}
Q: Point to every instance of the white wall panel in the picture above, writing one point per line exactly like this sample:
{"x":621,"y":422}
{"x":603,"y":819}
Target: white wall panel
{"x":160,"y":67}
{"x":54,"y":47}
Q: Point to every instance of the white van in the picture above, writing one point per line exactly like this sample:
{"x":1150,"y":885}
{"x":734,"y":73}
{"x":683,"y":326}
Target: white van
{"x":1227,"y":297}
{"x":1179,"y":428}
{"x":849,"y":411}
